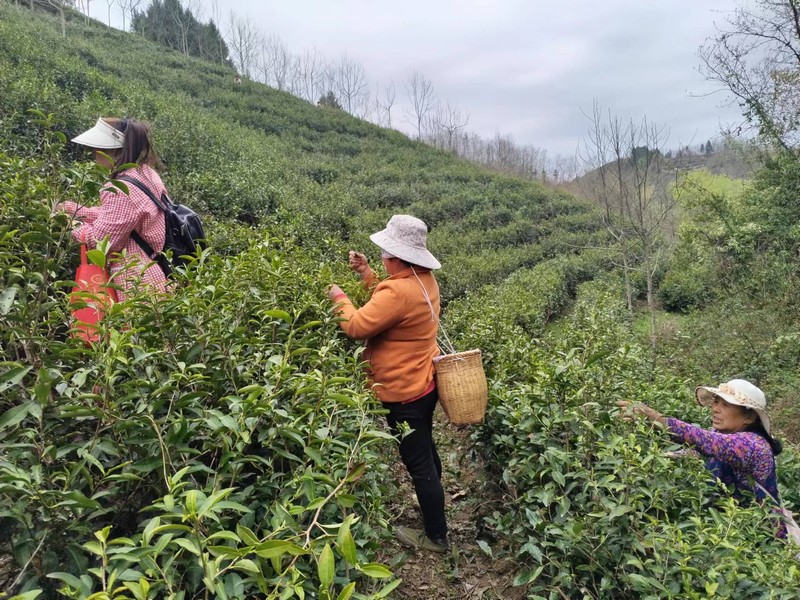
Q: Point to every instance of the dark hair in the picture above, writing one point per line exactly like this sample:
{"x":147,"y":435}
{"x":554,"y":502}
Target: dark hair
{"x":137,"y":147}
{"x":757,"y":427}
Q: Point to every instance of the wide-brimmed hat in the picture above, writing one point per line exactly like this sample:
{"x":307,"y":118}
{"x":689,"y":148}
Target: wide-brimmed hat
{"x":102,"y":136}
{"x":405,"y":237}
{"x":740,"y":392}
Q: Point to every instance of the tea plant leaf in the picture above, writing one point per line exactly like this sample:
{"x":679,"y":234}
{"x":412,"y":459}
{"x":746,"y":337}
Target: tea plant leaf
{"x":29,"y":595}
{"x":325,"y":567}
{"x":388,"y":588}
{"x":346,"y":543}
{"x":246,"y":535}
{"x":375,"y":570}
{"x":527,"y":577}
{"x":12,"y":377}
{"x":246,"y":565}
{"x":347,"y":592}
{"x":14,"y":415}
{"x":71,"y":580}
{"x":96,"y":257}
{"x":279,"y":314}
{"x":277,"y":548}
{"x":7,"y":300}
{"x":619,"y":511}
{"x":188,"y":544}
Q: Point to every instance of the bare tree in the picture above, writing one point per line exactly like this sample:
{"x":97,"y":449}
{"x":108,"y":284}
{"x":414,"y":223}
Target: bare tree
{"x":264,"y":65}
{"x":421,"y":98}
{"x":756,"y":57}
{"x":350,"y":82}
{"x":312,"y":73}
{"x":133,"y":8}
{"x":431,"y":126}
{"x":295,"y":76}
{"x":127,"y":8}
{"x":364,"y":106}
{"x":442,"y":124}
{"x":384,"y":103}
{"x":282,"y":64}
{"x":60,"y":5}
{"x":629,"y":178}
{"x":109,"y":3}
{"x":451,"y":122}
{"x":216,"y":16}
{"x":243,"y":40}
{"x":83,"y":7}
{"x":181,"y":14}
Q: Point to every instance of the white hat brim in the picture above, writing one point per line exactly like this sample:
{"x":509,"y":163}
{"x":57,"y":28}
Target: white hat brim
{"x":411,"y":254}
{"x":102,"y":136}
{"x":705,"y":396}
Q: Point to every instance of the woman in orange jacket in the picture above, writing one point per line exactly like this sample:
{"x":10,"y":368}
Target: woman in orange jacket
{"x":399,"y":324}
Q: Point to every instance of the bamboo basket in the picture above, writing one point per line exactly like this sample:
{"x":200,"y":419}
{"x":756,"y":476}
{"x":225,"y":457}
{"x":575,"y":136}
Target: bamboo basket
{"x":462,"y":386}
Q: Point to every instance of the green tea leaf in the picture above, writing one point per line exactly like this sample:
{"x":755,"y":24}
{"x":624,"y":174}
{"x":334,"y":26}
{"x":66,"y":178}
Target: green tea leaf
{"x":326,"y":567}
{"x":375,"y":570}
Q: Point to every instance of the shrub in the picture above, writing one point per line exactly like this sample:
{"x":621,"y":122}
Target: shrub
{"x":215,"y":442}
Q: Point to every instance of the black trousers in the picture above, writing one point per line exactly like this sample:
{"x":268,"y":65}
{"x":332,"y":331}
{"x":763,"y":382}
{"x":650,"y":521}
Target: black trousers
{"x":419,"y":455}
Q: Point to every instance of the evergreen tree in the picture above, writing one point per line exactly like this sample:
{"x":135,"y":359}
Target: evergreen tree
{"x":166,"y":22}
{"x":709,"y":149}
{"x":329,"y":99}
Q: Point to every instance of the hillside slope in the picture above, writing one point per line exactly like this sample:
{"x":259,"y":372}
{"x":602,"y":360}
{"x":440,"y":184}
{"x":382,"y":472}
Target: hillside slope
{"x":248,"y":151}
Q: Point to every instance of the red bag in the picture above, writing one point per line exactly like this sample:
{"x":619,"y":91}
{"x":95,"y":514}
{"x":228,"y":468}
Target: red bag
{"x":92,"y":291}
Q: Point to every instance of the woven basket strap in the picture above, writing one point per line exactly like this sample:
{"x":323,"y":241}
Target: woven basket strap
{"x":448,"y":345}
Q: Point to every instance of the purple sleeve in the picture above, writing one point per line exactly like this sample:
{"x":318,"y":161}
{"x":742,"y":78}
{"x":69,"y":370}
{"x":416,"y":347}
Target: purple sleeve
{"x":743,"y":451}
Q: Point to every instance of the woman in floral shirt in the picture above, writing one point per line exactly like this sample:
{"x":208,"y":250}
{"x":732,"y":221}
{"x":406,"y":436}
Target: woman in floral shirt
{"x":120,"y":216}
{"x":739,"y":449}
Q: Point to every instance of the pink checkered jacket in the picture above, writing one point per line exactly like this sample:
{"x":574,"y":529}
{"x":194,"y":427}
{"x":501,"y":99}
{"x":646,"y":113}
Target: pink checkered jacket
{"x":117,"y":217}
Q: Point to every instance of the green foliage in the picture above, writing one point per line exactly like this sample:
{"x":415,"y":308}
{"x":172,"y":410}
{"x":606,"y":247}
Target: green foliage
{"x":329,"y":99}
{"x":214,"y":442}
{"x":687,"y":287}
{"x":521,"y":306}
{"x":737,"y":261}
{"x":594,"y":506}
{"x":219,"y":441}
{"x":246,"y":152}
{"x":170,"y":24}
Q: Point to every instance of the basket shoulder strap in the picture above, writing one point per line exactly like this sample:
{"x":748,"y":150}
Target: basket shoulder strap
{"x":448,"y":345}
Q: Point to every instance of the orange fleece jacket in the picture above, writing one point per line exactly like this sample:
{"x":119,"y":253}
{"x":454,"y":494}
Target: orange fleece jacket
{"x":400,"y":331}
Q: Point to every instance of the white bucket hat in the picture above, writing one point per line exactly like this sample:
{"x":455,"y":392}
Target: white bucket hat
{"x":102,"y":136}
{"x":740,"y":392}
{"x":405,"y":237}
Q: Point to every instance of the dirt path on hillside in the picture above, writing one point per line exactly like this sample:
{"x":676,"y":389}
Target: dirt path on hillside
{"x":467,"y":572}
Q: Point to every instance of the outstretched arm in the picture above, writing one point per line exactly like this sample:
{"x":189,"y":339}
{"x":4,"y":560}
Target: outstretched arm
{"x":739,"y":450}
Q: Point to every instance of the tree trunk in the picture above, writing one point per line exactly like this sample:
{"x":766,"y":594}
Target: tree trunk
{"x":651,"y":306}
{"x":626,"y":273}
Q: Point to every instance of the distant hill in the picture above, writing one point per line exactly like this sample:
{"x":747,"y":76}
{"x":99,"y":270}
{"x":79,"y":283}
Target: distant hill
{"x":733,"y":158}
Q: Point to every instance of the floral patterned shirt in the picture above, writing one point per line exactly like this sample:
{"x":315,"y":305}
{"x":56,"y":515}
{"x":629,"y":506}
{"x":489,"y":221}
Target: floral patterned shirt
{"x":736,"y":459}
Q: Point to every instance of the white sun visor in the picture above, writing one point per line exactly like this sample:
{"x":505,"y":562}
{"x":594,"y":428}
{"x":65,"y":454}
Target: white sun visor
{"x":102,"y":136}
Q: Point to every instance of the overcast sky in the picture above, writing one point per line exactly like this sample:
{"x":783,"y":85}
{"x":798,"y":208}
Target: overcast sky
{"x":527,"y":68}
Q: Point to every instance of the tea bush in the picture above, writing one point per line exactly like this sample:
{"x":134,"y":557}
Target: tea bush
{"x":220,"y":442}
{"x":216,"y":441}
{"x":594,"y":506}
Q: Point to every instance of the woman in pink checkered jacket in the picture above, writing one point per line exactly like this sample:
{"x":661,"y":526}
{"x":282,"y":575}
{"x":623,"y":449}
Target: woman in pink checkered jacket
{"x":120,"y":216}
